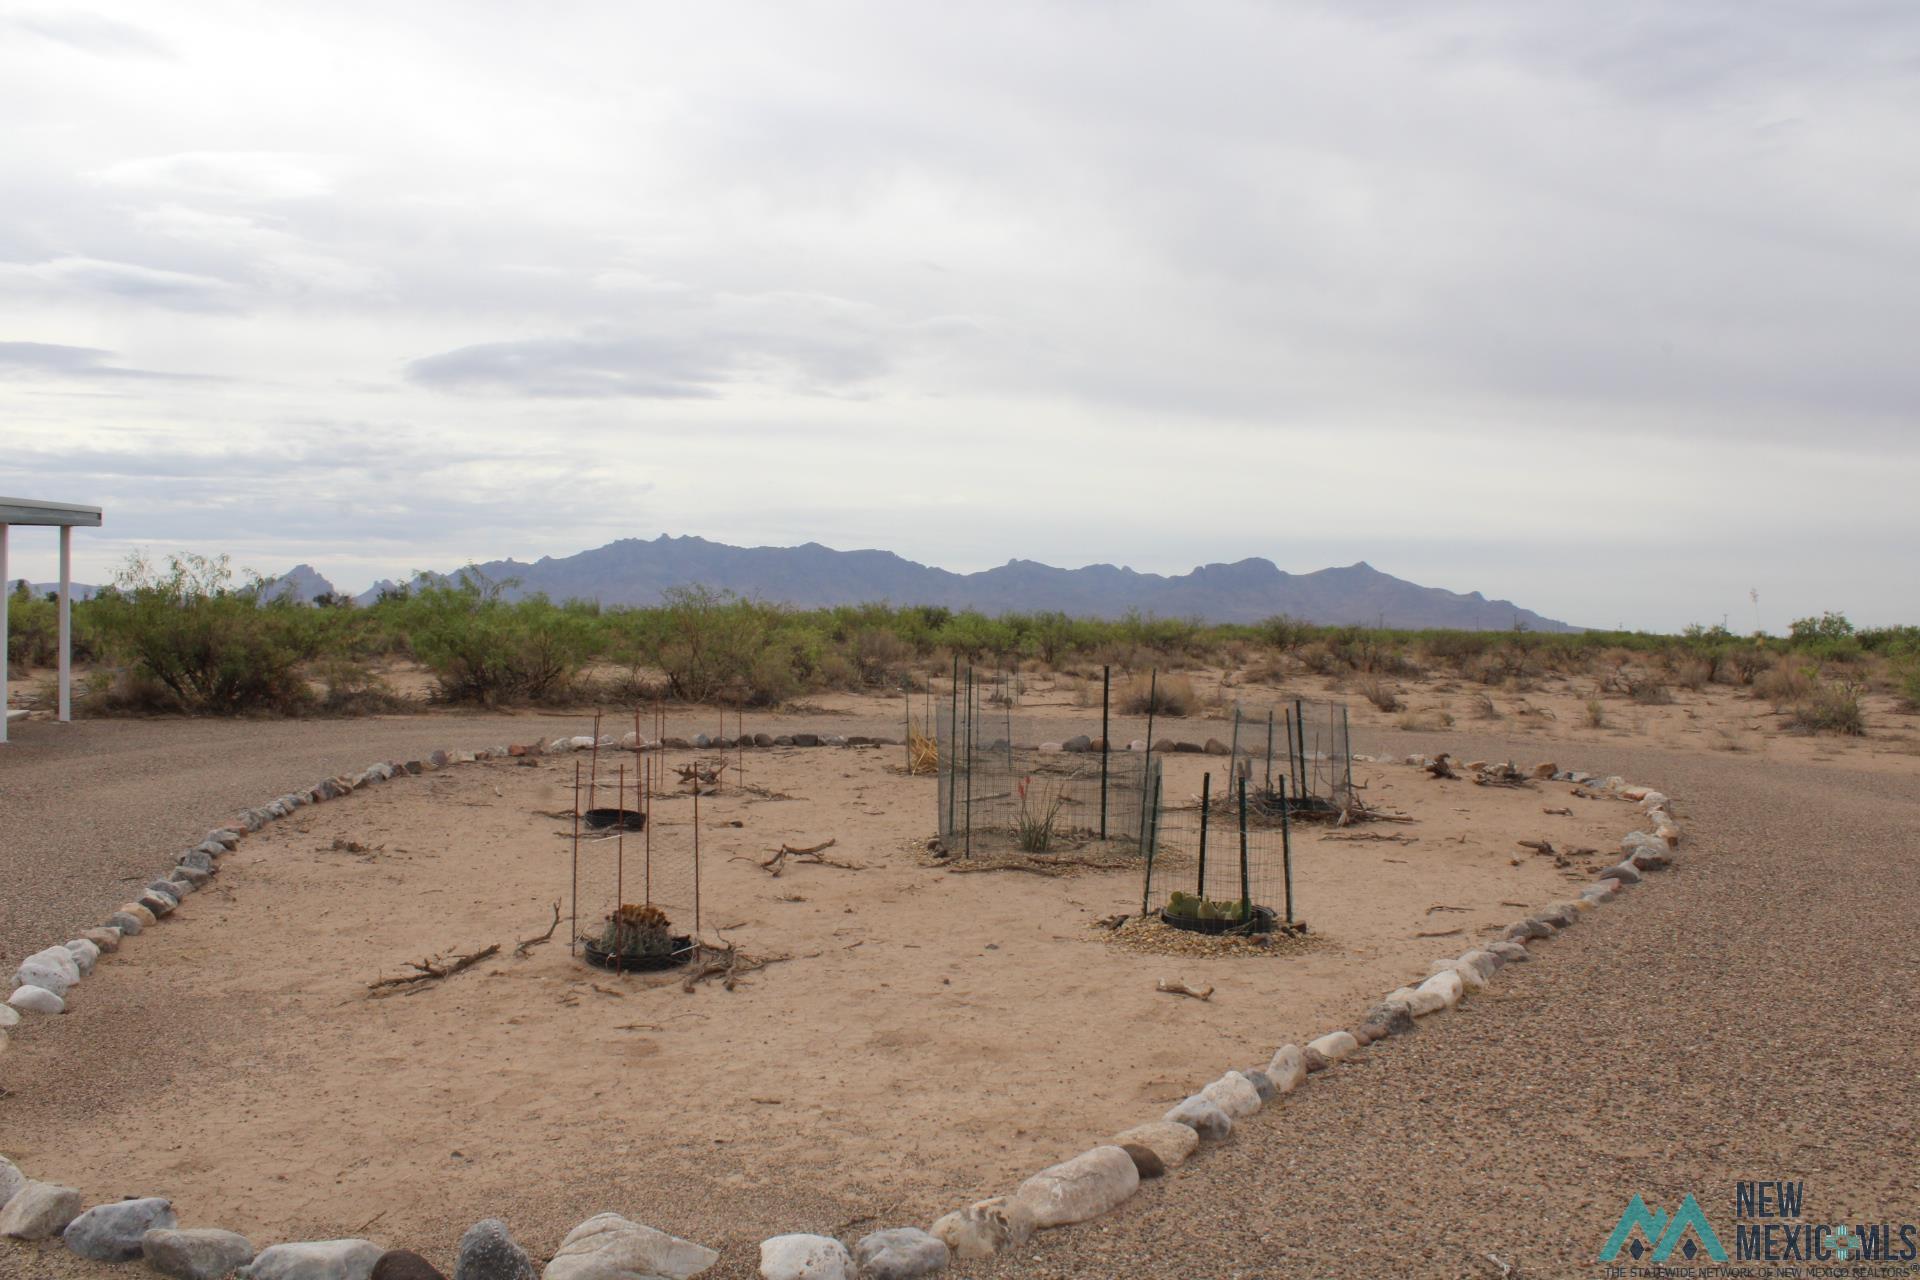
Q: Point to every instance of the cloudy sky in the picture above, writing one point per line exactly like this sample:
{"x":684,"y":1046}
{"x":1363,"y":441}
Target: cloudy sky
{"x":1610,"y":309}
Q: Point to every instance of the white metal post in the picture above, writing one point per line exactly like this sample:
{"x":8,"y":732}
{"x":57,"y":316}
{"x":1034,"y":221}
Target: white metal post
{"x":66,"y":623}
{"x":6,"y":590}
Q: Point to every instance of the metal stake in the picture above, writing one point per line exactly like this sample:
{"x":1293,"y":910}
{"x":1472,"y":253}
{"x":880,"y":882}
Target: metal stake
{"x":1206,"y":789}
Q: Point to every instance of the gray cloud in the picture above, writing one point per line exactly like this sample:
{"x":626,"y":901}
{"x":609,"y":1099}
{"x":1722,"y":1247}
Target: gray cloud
{"x":90,"y":33}
{"x":1368,"y":268}
{"x":52,"y":360}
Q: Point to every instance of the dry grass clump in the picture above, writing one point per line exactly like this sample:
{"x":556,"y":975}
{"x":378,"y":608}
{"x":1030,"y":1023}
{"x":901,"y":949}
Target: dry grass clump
{"x":1784,"y":684}
{"x":1381,"y":694}
{"x":1172,"y":695}
{"x":1596,"y":717}
{"x":1692,"y":674}
{"x":1483,"y":708}
{"x":1432,"y":719}
{"x":1648,"y":691}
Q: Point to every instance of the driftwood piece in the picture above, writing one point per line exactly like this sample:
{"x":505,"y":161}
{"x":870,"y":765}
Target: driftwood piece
{"x":434,"y":968}
{"x":1176,"y":988}
{"x":1439,"y":768}
{"x":727,"y":963}
{"x":526,"y":945}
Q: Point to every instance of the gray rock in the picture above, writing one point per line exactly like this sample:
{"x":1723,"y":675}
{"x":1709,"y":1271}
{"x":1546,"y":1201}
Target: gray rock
{"x":1146,"y":1161}
{"x":84,"y":954}
{"x":1316,"y":1061}
{"x":900,"y":1253}
{"x":126,"y":923}
{"x":1510,"y":952}
{"x":175,"y":889}
{"x":112,"y":1232}
{"x":40,"y":970}
{"x":762,"y":739}
{"x":1624,"y":872}
{"x":487,"y":1252}
{"x":1529,"y":928}
{"x":676,"y":744}
{"x":832,"y":740}
{"x":1203,"y":1117}
{"x":198,"y":877}
{"x":316,"y":1260}
{"x":1079,"y":742}
{"x":39,"y":1211}
{"x":805,"y":1257}
{"x":224,"y":836}
{"x":201,"y":1254}
{"x":404,"y":1264}
{"x":701,"y":742}
{"x":11,"y":1179}
{"x":609,"y":1247}
{"x":1262,"y":1083}
{"x":106,"y":938}
{"x":806,"y":740}
{"x":161,"y":904}
{"x":198,"y":860}
{"x":1389,"y":1018}
{"x":985,"y":1228}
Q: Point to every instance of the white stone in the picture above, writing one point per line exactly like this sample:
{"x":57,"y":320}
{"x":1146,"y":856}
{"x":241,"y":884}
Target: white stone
{"x":1447,"y":986}
{"x":11,"y":1180}
{"x":1288,"y":1069}
{"x":609,"y":1247}
{"x":1335,"y":1046}
{"x":1049,"y":747}
{"x":900,"y":1253}
{"x":1173,"y":1143}
{"x":804,"y":1257}
{"x":1204,"y":1117}
{"x":985,"y":1228}
{"x":39,"y":1211}
{"x":316,"y":1260}
{"x":111,"y":1232}
{"x":84,"y":954}
{"x":36,"y":1000}
{"x":1652,"y":800}
{"x":1084,"y":1187}
{"x":9,"y":1017}
{"x":1234,"y":1094}
{"x":1470,"y":978}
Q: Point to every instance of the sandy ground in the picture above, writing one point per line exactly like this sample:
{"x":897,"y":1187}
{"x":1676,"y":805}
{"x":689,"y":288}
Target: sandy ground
{"x":1636,"y":1058}
{"x":935,"y":1036}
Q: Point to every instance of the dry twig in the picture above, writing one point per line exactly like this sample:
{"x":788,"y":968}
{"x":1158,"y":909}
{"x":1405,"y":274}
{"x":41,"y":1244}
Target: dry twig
{"x":525,"y":945}
{"x":434,"y":968}
{"x":1173,"y":987}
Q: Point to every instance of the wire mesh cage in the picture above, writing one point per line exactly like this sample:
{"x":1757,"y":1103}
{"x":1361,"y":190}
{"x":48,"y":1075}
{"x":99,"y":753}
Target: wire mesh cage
{"x":1000,"y":793}
{"x":1296,"y":753}
{"x":636,"y":870}
{"x":1221,"y":865}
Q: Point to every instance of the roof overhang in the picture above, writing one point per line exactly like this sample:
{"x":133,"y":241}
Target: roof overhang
{"x":31,"y":511}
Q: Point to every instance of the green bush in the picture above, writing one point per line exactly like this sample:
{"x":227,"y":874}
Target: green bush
{"x":209,"y":644}
{"x":484,"y":649}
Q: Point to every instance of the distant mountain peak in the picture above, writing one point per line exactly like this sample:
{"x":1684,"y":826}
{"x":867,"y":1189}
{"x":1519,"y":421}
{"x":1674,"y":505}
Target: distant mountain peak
{"x":636,"y":571}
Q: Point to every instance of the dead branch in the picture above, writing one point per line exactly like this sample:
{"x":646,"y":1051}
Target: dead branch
{"x":1441,"y":933}
{"x":811,"y":856}
{"x":1176,"y":988}
{"x":434,"y":968}
{"x":727,"y":963}
{"x":525,"y":945}
{"x":1395,"y":838}
{"x":1439,"y":767}
{"x":1441,"y":906}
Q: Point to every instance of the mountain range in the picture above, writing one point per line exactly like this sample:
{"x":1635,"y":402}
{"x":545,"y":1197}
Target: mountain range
{"x":633,"y":571}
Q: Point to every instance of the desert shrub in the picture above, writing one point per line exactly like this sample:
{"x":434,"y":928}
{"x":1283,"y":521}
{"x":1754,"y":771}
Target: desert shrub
{"x":1431,"y":720}
{"x":1319,"y":659}
{"x":1596,"y":714}
{"x":879,"y":655}
{"x":485,"y":649}
{"x":1832,"y":706}
{"x":351,"y":688}
{"x":1649,"y":691}
{"x":1380,"y":693}
{"x":1908,"y":681}
{"x":196,"y":641}
{"x":1692,"y":673}
{"x":1170,"y":695}
{"x":1784,"y":684}
{"x":1745,"y":662}
{"x":1483,"y":708}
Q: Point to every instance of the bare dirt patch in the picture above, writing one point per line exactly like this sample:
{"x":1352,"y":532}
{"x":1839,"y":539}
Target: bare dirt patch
{"x":926,"y":1038}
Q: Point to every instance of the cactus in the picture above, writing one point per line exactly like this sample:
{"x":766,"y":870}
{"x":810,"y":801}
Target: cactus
{"x":638,"y":933}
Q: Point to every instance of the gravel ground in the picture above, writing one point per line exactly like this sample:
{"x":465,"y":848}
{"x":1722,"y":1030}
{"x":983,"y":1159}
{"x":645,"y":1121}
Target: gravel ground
{"x":1748,"y":1015}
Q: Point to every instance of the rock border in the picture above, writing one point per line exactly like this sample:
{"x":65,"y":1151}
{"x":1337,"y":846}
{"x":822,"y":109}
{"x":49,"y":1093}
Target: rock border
{"x":1087,"y":1186}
